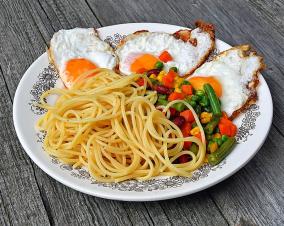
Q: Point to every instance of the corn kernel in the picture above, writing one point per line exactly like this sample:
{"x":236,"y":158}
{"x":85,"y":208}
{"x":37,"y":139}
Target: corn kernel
{"x":213,"y":146}
{"x":194,"y":131}
{"x":205,"y":117}
{"x":153,"y":76}
{"x":180,"y":80}
{"x":217,"y":135}
{"x":177,"y":89}
{"x":160,"y":76}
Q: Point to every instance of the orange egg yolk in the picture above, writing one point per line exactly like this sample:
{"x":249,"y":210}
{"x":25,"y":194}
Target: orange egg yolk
{"x":143,"y":63}
{"x":76,"y":67}
{"x":198,"y":82}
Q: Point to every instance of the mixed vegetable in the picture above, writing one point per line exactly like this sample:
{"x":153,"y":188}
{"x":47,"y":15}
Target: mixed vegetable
{"x":219,"y":130}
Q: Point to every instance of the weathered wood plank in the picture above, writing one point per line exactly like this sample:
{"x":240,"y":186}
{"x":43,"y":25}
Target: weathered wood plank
{"x":257,"y":185}
{"x":20,"y":201}
{"x":55,"y":195}
{"x":256,"y":193}
{"x":236,"y":24}
{"x":24,"y":39}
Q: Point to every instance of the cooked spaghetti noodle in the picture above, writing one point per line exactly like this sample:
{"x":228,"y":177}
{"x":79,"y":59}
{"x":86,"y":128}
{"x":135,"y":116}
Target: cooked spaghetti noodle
{"x":109,"y":124}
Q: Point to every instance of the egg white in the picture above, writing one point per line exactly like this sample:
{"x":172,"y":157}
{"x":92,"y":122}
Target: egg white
{"x":81,"y":43}
{"x":185,"y":55}
{"x":234,"y":72}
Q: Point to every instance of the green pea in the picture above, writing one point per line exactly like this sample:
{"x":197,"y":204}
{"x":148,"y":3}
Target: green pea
{"x":218,"y":141}
{"x":185,"y":82}
{"x":204,"y":102}
{"x":199,"y":93}
{"x":194,"y":149}
{"x":179,"y":106}
{"x":209,"y":137}
{"x":162,"y":96}
{"x":195,"y":98}
{"x":191,"y":102}
{"x":224,"y":138}
{"x":159,"y":65}
{"x":198,"y":109}
{"x":174,"y":69}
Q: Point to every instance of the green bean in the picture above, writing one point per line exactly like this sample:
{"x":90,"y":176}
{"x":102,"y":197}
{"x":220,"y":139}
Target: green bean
{"x":209,"y":128}
{"x":216,"y":157}
{"x":213,"y":99}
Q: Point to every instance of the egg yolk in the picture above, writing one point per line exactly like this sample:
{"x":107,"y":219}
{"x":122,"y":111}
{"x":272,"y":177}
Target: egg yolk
{"x":198,"y":82}
{"x":143,"y":63}
{"x":76,"y":67}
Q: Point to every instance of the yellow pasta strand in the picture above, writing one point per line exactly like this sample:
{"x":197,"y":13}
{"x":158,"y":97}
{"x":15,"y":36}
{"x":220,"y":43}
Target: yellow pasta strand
{"x":109,"y":124}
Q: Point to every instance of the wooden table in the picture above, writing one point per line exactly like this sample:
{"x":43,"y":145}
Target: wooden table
{"x":28,"y":196}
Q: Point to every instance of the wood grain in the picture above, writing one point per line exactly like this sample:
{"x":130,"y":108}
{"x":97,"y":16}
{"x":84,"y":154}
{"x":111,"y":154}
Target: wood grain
{"x":20,"y":198}
{"x":29,"y":196}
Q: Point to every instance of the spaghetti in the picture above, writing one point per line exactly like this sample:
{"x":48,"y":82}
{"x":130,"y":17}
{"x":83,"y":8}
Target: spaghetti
{"x":109,"y":124}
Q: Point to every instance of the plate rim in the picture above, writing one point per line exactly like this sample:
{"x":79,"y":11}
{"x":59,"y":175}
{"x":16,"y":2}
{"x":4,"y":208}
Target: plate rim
{"x":124,"y":197}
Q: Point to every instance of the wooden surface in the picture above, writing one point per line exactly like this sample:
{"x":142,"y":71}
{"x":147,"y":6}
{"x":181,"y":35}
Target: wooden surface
{"x":253,"y":196}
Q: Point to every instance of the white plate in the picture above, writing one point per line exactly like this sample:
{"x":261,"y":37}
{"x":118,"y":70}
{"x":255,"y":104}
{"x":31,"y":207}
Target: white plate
{"x":253,"y":126}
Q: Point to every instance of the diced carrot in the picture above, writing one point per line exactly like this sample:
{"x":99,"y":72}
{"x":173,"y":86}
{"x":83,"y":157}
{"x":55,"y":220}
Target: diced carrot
{"x":227,"y":127}
{"x":168,"y":83}
{"x":183,"y":159}
{"x":187,"y":89}
{"x":141,"y":70}
{"x":140,"y":81}
{"x":168,"y":79}
{"x":187,"y":114}
{"x":175,"y":96}
{"x":165,"y":56}
{"x":186,"y":129}
{"x":225,"y":121}
{"x":198,"y":135}
{"x":233,"y":130}
{"x":172,"y":74}
{"x":224,"y":129}
{"x":224,"y":115}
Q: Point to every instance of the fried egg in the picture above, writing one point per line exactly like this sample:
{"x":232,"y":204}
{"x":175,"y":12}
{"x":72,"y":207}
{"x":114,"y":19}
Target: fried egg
{"x":233,"y":75}
{"x":187,"y":49}
{"x":79,"y":50}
